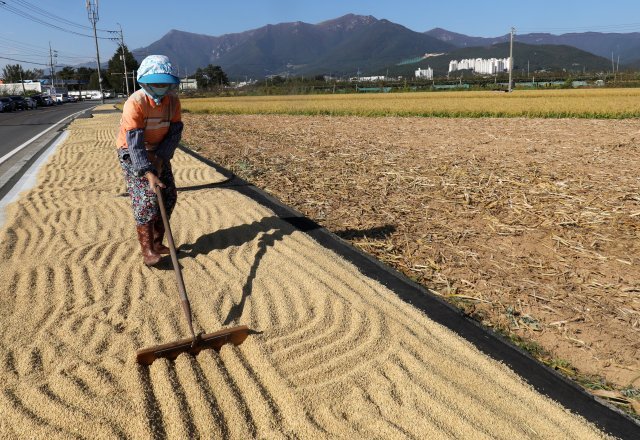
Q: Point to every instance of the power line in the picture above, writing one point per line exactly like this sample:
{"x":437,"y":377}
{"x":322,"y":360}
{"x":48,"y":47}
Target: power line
{"x":49,"y":15}
{"x":35,"y":49}
{"x":23,"y":61}
{"x":30,"y":17}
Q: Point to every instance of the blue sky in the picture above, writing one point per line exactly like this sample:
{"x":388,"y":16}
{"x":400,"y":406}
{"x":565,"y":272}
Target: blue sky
{"x":144,"y":22}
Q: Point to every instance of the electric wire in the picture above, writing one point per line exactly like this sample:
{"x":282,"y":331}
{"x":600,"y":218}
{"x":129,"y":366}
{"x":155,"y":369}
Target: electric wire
{"x":30,"y":17}
{"x":47,"y":14}
{"x":23,"y":61}
{"x":32,"y":54}
{"x":35,"y":49}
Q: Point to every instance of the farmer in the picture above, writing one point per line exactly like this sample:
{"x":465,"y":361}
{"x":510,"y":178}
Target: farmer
{"x":150,"y":130}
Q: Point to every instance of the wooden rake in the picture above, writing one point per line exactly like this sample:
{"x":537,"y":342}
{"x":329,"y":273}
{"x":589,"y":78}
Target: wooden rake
{"x":196,"y":343}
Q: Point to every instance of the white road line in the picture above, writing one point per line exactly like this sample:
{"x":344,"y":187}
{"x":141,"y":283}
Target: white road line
{"x":16,"y":150}
{"x":28,"y":179}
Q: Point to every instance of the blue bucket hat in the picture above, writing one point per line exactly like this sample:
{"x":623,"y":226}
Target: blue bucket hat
{"x":156,"y":69}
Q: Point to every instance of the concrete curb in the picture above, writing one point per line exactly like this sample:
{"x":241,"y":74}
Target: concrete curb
{"x":28,"y":178}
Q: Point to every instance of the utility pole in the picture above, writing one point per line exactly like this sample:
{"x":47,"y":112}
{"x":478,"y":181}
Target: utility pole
{"x":92,"y":10}
{"x":53,"y":81}
{"x":613,"y":67}
{"x":24,"y":92}
{"x":513,"y":31}
{"x":124,"y":59}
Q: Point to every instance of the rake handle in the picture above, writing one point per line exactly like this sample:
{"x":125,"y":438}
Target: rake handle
{"x":186,"y":307}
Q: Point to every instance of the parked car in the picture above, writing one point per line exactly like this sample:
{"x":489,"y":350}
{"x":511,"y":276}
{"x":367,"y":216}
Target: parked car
{"x":30,"y":103}
{"x":43,"y":100}
{"x":60,"y":98}
{"x":73,"y":98}
{"x":19,"y":100}
{"x":7,"y":104}
{"x":39,"y":100}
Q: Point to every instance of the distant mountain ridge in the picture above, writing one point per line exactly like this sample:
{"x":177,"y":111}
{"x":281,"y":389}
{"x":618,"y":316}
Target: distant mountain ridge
{"x":528,"y":58}
{"x":342,"y":46}
{"x":350,"y":44}
{"x":627,"y":45}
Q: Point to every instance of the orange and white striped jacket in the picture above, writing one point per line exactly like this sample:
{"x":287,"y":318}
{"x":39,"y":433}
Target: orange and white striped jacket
{"x":141,"y":112}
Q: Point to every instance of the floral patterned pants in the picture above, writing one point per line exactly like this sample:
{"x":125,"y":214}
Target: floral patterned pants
{"x":143,"y":199}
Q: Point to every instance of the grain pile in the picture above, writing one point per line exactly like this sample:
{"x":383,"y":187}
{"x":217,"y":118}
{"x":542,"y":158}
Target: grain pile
{"x":335,"y":355}
{"x":531,"y":225}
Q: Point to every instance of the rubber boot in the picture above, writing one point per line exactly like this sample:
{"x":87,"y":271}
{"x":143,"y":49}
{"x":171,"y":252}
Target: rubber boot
{"x":158,"y":235}
{"x":145,"y":237}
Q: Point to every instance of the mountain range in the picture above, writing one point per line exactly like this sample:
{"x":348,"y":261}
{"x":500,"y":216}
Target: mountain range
{"x":365,"y":44}
{"x":528,"y":58}
{"x":626,"y":46}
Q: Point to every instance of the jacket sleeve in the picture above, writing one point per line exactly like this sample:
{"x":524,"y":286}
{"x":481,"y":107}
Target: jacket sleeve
{"x":168,"y":145}
{"x":138,"y":153}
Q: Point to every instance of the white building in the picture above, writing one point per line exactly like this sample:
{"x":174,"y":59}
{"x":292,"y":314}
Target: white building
{"x":367,"y":78}
{"x":188,"y":84}
{"x":18,"y":88}
{"x":480,"y":65}
{"x":424,"y":73}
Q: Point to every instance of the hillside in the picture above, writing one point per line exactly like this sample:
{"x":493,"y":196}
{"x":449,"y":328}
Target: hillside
{"x":341,"y":46}
{"x":538,"y":57}
{"x":356,"y":43}
{"x":626,"y":45}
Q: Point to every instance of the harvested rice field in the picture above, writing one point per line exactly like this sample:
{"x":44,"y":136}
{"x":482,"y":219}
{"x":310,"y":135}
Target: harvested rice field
{"x":578,"y":103}
{"x":333,"y":354}
{"x":530,"y":225}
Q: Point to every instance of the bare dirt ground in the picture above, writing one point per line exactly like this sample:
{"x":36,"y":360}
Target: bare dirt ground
{"x":530,"y":225}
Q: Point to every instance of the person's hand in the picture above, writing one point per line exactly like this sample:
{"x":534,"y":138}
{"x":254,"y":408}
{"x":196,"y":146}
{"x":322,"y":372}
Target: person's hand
{"x":154,"y":181}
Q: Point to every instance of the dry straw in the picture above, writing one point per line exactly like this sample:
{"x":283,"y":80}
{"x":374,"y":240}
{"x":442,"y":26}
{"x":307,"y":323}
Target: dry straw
{"x":529,"y":225}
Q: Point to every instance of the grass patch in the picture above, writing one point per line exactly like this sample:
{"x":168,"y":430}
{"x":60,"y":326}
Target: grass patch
{"x":590,"y":382}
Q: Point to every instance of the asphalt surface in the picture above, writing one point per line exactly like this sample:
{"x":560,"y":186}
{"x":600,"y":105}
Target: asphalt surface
{"x":17,"y":132}
{"x":20,"y":126}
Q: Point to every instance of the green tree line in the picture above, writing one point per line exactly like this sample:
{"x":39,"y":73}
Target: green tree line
{"x":209,"y":78}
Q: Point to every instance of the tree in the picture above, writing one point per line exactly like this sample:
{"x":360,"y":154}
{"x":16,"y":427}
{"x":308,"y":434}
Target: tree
{"x":115,"y":70}
{"x":84,"y":73}
{"x":93,"y":81}
{"x":13,"y":73}
{"x":211,"y":76}
{"x":34,"y":74}
{"x":67,"y":73}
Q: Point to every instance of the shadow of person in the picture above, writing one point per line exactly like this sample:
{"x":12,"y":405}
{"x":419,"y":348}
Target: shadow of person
{"x":264,"y":243}
{"x":272,"y":228}
{"x":374,"y":233}
{"x":240,"y":234}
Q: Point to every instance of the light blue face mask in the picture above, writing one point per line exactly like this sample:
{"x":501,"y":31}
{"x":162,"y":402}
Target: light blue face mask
{"x":156,"y":93}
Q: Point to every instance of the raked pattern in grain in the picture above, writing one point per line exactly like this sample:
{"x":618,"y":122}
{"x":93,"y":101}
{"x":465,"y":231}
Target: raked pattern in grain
{"x":335,"y":354}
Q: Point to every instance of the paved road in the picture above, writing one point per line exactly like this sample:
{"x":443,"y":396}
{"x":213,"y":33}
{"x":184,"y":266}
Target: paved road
{"x":18,"y":149}
{"x":20,"y":126}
